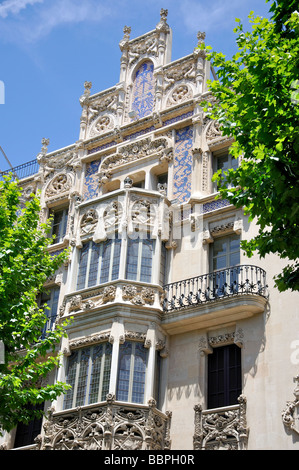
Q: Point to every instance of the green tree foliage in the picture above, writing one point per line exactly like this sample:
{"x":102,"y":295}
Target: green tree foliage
{"x":256,"y":101}
{"x":25,"y":265}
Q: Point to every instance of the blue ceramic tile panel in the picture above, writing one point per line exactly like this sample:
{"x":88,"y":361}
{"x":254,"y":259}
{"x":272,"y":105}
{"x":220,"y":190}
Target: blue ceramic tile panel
{"x":102,"y":147}
{"x":178,"y":118}
{"x":91,"y":183}
{"x":183,"y":164}
{"x":143,"y":90}
{"x":214,"y":205}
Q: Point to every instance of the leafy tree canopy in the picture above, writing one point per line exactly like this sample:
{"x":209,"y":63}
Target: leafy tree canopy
{"x":255,"y":99}
{"x":25,"y":265}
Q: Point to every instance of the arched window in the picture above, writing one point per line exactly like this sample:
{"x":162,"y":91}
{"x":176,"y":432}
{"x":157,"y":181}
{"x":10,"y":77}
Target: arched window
{"x":143,"y":90}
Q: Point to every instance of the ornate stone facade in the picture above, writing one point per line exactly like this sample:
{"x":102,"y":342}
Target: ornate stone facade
{"x":172,"y":326}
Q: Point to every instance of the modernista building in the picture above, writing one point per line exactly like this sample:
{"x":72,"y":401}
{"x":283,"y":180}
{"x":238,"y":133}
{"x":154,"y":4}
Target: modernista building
{"x":178,"y":341}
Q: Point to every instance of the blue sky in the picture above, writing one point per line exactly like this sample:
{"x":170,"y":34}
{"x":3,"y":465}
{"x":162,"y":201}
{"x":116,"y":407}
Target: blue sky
{"x":49,"y":48}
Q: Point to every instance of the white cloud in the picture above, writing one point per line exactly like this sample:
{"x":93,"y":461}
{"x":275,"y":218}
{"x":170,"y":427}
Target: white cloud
{"x":15,"y":6}
{"x":18,"y":25}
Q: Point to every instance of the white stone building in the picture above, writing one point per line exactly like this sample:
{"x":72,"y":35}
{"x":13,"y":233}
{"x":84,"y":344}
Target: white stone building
{"x":178,"y":341}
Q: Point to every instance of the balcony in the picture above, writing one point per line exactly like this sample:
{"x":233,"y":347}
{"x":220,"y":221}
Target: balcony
{"x":221,"y":428}
{"x":218,"y":297}
{"x":22,"y":171}
{"x":109,"y":425}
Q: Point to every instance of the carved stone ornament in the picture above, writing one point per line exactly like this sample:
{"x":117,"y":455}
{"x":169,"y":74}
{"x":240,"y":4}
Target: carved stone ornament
{"x":112,"y":215}
{"x":183,"y":70}
{"x":110,"y":425}
{"x":180,"y":94}
{"x":103,"y":124}
{"x":138,"y":296}
{"x":290,"y":415}
{"x":78,"y":303}
{"x":62,"y":160}
{"x":104,"y":103}
{"x":161,"y":148}
{"x":89,"y":340}
{"x":58,"y":186}
{"x":213,"y":131}
{"x":143,"y":46}
{"x":224,"y":429}
{"x":89,"y":222}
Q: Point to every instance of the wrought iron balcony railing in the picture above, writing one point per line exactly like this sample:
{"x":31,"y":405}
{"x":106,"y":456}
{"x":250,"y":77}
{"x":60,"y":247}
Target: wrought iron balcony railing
{"x":22,"y":171}
{"x":237,"y":280}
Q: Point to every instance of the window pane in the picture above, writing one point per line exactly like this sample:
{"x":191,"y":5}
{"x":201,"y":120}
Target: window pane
{"x":95,"y":373}
{"x":82,"y":266}
{"x":106,"y":260}
{"x":139,"y":373}
{"x":116,"y":259}
{"x":106,"y":372}
{"x":132,"y":259}
{"x":82,"y":379}
{"x":70,"y":379}
{"x":101,"y":363}
{"x":94,"y":265}
{"x":125,"y":352}
{"x":59,"y":225}
{"x":51,"y":299}
{"x":146,"y":261}
{"x":131,"y":372}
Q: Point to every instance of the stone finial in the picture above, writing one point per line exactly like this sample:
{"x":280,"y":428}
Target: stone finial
{"x":124,"y":43}
{"x":162,"y":26}
{"x":127,"y":32}
{"x":84,"y":98}
{"x":45,"y":144}
{"x":163,"y":14}
{"x":201,"y":37}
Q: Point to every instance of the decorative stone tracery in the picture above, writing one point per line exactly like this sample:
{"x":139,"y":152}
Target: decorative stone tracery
{"x":109,"y":426}
{"x":222,"y":428}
